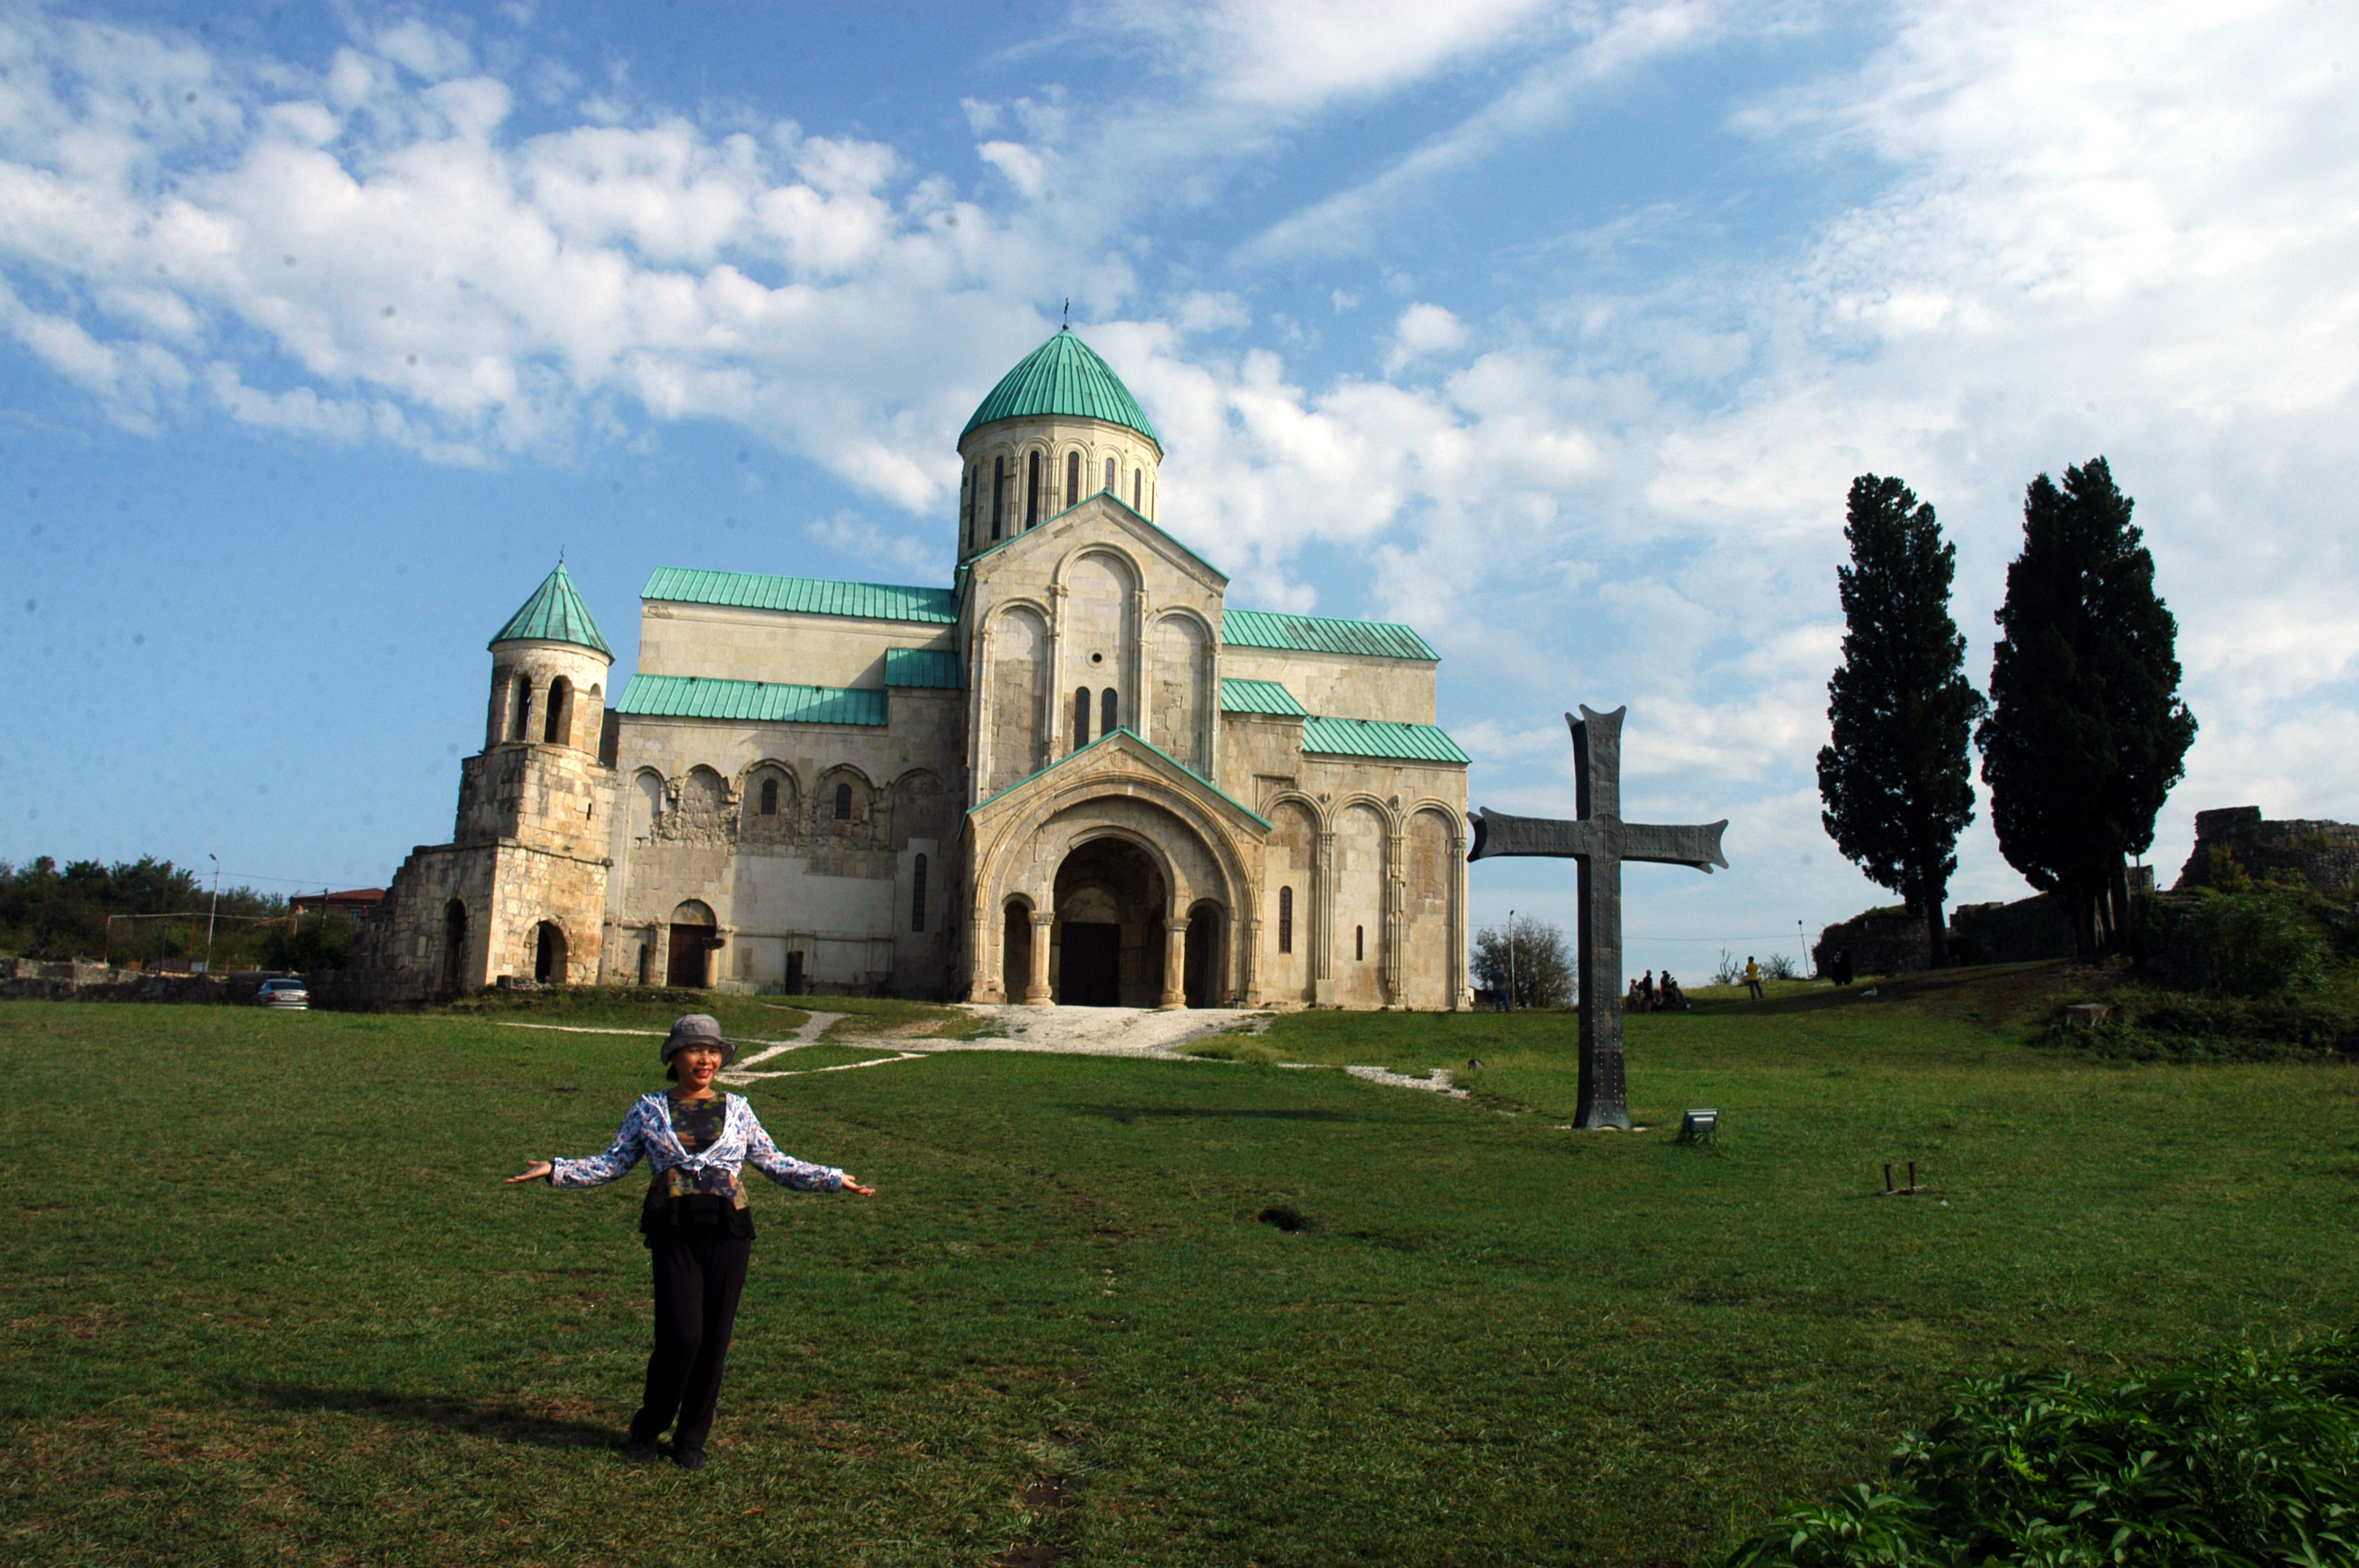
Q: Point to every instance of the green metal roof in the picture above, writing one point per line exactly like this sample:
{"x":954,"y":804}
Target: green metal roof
{"x":1241,"y":696}
{"x":554,"y":614}
{"x":1122,"y":730}
{"x":1379,"y":737}
{"x":689,"y":697}
{"x":1062,"y":375}
{"x":937,"y":667}
{"x":809,"y":595}
{"x":1318,"y":634}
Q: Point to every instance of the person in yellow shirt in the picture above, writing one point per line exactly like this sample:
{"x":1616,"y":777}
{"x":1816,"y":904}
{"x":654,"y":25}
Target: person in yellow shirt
{"x":1753,"y":979}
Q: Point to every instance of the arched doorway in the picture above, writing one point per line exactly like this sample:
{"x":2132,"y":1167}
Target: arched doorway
{"x":1110,"y":902}
{"x":693,"y":933}
{"x":548,"y":954}
{"x":1016,"y":950}
{"x":1201,"y":974}
{"x":454,"y":945}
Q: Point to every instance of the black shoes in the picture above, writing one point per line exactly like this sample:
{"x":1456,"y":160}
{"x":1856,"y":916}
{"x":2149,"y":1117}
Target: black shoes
{"x":641,"y":1452}
{"x":690,"y":1458}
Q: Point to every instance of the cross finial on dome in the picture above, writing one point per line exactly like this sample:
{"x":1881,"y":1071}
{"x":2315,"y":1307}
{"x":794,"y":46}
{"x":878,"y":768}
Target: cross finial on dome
{"x":1068,"y":316}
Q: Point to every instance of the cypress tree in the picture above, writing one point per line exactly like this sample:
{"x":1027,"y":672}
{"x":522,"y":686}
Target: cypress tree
{"x":2086,"y":734}
{"x":1898,"y":779}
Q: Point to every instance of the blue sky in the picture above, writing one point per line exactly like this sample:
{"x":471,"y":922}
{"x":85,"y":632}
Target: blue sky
{"x":1558,"y":331}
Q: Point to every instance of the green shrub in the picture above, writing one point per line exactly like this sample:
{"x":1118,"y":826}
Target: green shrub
{"x":2245,"y":1459}
{"x":2263,"y":940}
{"x":2178,"y":1026}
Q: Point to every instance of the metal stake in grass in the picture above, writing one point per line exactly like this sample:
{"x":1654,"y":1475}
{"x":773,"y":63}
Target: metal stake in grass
{"x":1914,"y":1185}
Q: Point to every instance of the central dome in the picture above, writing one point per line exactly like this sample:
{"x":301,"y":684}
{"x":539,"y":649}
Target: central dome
{"x":1065,"y":377}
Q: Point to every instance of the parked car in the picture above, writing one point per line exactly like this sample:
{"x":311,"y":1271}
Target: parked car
{"x":283,"y":993}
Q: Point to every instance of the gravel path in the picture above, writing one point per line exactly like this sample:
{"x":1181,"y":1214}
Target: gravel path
{"x":1096,"y":1030}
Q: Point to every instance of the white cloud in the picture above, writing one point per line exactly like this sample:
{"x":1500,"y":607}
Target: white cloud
{"x":1423,"y":329}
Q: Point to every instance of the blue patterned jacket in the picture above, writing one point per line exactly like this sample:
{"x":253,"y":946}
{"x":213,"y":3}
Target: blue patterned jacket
{"x":646,"y":1129}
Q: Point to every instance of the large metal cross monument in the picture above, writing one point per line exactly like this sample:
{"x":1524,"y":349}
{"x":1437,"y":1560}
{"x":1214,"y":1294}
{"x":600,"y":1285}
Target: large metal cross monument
{"x":1600,"y":841}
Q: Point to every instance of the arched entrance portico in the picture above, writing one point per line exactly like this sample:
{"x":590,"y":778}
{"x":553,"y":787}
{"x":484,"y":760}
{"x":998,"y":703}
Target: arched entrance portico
{"x":1112,"y":860}
{"x":1111,"y":895}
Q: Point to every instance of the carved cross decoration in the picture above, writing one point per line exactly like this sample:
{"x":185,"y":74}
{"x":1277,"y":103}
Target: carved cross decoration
{"x":1600,"y":841}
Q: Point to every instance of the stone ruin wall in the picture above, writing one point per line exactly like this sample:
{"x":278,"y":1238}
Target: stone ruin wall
{"x":2323,"y":854}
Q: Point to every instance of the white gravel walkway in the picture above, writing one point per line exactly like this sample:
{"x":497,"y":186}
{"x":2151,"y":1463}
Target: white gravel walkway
{"x":1097,"y":1030}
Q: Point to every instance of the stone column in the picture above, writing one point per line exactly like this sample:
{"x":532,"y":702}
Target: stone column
{"x":1175,"y":965}
{"x":1036,"y":993}
{"x":1322,"y":921}
{"x":1058,"y":737}
{"x":1461,"y":997}
{"x":1396,"y":924}
{"x":1245,"y":935}
{"x":983,"y":973}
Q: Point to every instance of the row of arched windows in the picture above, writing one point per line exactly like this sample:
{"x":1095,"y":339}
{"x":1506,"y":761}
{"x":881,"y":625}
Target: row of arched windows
{"x":1038,"y":499}
{"x":557,"y":712}
{"x":1108,"y":715}
{"x":770,"y":807}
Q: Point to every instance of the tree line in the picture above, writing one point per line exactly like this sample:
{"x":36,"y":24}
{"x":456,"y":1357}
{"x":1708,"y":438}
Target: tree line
{"x":2083,"y":732}
{"x":47,"y":911}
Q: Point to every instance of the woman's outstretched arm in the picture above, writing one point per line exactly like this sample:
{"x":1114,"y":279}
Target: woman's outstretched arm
{"x":630,"y":1142}
{"x":764,"y":1155}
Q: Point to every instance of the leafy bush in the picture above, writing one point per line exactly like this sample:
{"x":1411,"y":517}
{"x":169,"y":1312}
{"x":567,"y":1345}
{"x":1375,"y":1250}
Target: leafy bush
{"x":2173,"y":1026}
{"x":2242,"y":1459}
{"x":308,"y":943}
{"x":2263,"y":941}
{"x":1539,"y":955}
{"x":1778,"y":966}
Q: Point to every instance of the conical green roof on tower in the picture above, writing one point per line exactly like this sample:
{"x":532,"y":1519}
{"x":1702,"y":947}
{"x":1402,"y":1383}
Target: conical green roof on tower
{"x":1063,"y":376}
{"x":554,"y":614}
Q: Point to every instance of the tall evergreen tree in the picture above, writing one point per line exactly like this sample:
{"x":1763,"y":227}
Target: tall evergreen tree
{"x":2086,"y":734}
{"x":1898,"y":779}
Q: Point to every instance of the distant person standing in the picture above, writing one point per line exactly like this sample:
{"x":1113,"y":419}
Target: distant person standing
{"x":1646,"y":990}
{"x":1753,"y":979}
{"x":699,"y":1231}
{"x":1842,"y":965}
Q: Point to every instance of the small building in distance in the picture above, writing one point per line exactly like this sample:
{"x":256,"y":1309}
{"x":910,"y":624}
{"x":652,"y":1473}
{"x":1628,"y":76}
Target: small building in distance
{"x":1073,"y":774}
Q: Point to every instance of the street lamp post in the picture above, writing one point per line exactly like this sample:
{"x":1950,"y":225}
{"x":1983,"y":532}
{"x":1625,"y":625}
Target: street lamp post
{"x":214,"y":913}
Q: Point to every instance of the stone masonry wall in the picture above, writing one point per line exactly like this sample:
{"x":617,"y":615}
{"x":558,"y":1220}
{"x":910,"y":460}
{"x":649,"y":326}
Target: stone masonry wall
{"x":2323,"y":854}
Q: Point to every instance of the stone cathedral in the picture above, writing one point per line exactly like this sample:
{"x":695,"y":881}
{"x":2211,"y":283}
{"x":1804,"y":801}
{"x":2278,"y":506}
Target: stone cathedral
{"x":1074,"y":776}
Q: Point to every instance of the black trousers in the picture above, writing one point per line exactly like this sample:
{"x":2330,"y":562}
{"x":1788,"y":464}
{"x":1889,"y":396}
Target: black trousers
{"x":698,"y":1275}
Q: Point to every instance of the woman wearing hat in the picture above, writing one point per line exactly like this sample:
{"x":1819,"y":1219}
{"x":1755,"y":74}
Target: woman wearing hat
{"x":699,"y":1231}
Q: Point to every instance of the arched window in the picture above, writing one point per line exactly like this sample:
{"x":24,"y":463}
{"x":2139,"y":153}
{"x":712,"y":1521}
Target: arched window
{"x":843,"y":803}
{"x":1108,"y":715}
{"x":917,"y":895}
{"x":1285,"y":920}
{"x":998,"y":494}
{"x":1109,"y":483}
{"x":522,"y":729}
{"x":1137,"y":479}
{"x":557,"y":730}
{"x":966,"y":504}
{"x":1359,"y":943}
{"x":1032,"y":492}
{"x":769,"y":797}
{"x":1080,"y":718}
{"x":1072,"y":478}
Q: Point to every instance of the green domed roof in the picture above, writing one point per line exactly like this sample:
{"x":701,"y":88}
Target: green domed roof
{"x":554,"y":614}
{"x":1062,"y":377}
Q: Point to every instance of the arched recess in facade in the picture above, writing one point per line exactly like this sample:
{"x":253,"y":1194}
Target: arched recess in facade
{"x":1019,"y":862}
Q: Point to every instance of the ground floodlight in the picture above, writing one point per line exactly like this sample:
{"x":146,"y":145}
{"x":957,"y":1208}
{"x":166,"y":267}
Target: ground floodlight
{"x":1699,"y":1125}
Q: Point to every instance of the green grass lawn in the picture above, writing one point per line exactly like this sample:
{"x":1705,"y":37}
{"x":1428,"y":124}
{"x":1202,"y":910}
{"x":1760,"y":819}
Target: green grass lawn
{"x":267,"y":1300}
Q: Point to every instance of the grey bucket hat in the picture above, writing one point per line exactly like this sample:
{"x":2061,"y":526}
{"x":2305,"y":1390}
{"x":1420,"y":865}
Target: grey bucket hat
{"x":698,"y":1029}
